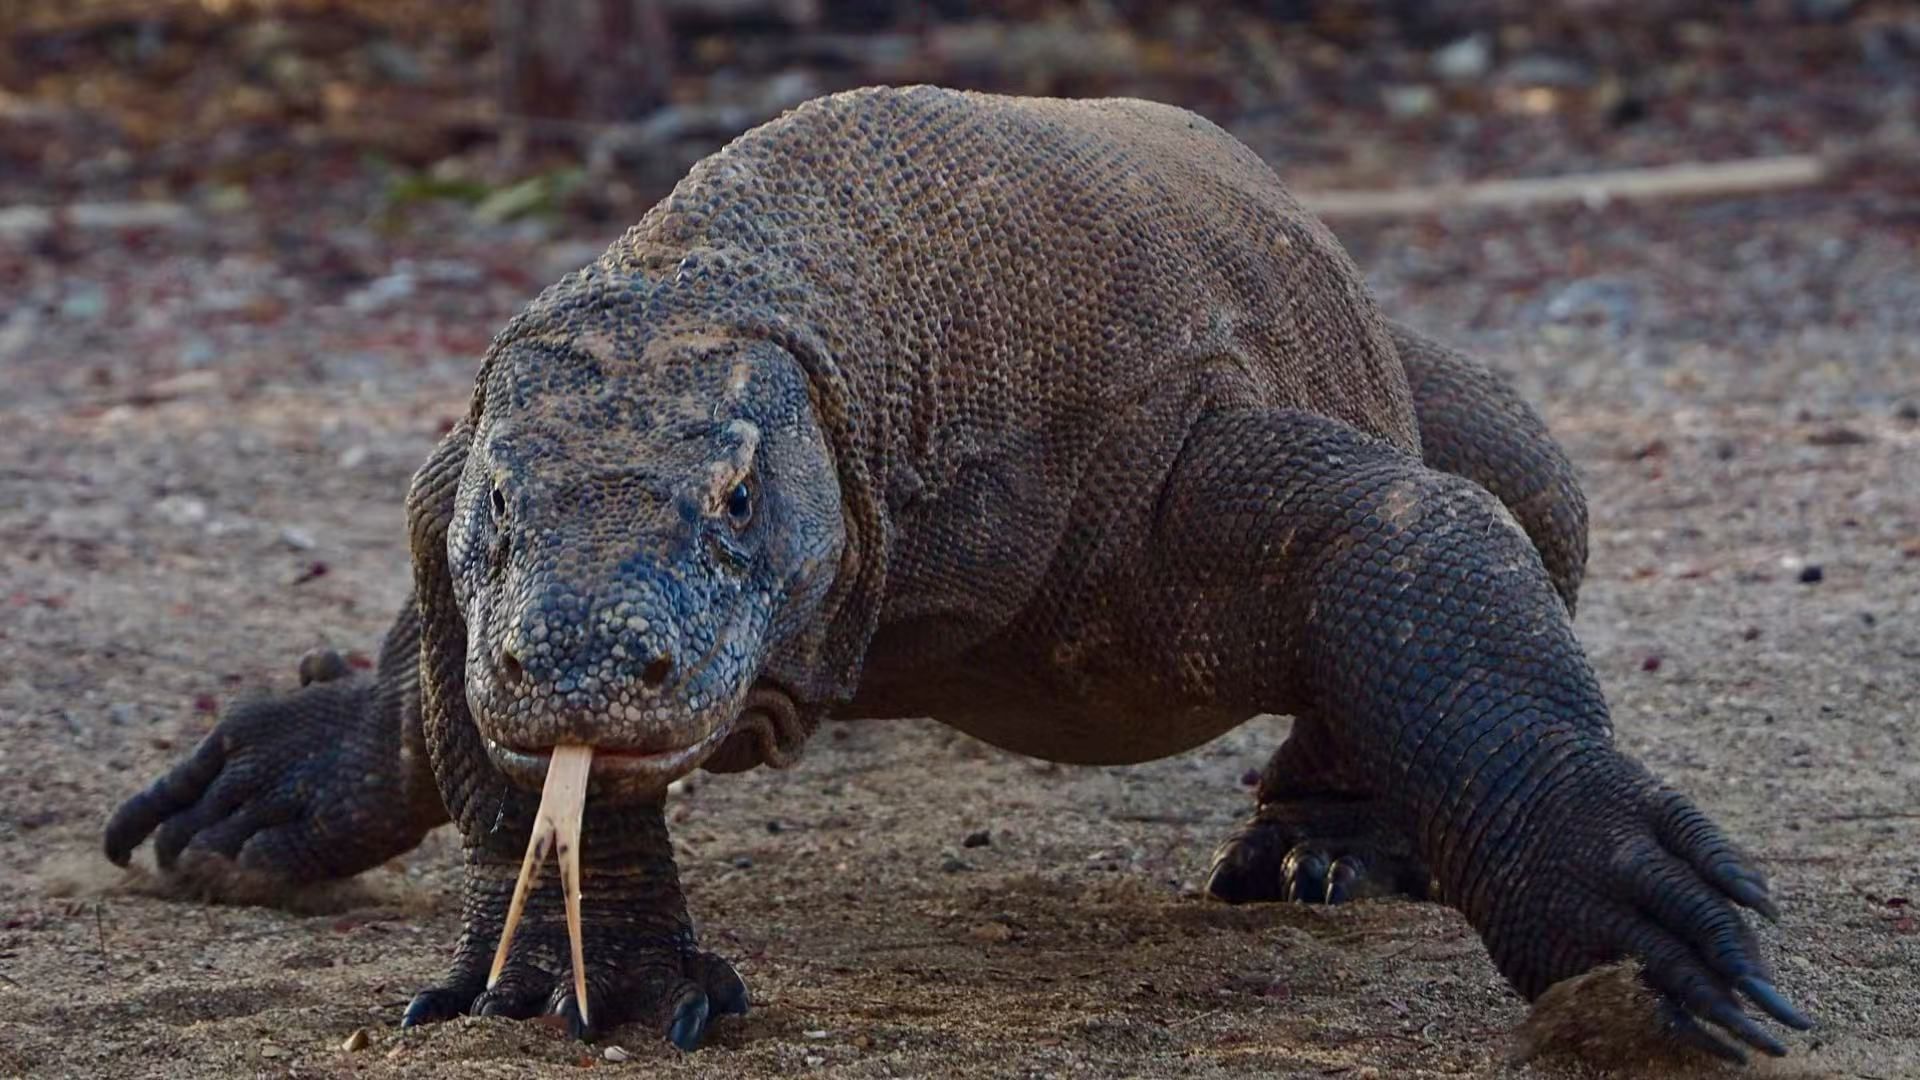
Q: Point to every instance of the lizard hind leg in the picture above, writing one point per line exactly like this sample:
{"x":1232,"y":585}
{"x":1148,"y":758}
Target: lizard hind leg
{"x":1314,"y":838}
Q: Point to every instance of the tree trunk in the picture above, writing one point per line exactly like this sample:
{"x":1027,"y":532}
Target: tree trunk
{"x":582,"y":61}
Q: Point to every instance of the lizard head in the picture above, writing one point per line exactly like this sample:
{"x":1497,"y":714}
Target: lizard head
{"x":641,"y":534}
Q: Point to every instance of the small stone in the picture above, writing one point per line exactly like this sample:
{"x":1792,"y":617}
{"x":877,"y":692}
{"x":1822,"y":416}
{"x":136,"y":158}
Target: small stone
{"x":84,"y":303}
{"x":394,"y":62}
{"x":1467,"y":58}
{"x":818,"y":1033}
{"x":980,"y":838}
{"x":1541,"y":70}
{"x":355,"y":1041}
{"x":1651,"y":663}
{"x":814,"y":1061}
{"x":1838,"y":436}
{"x":382,"y":292}
{"x":269,"y":1050}
{"x":743,"y":862}
{"x":953,"y":864}
{"x":1812,"y":574}
{"x":991,"y":932}
{"x":1409,"y":101}
{"x":182,"y":510}
{"x":1250,"y":778}
{"x":297,"y":539}
{"x":1751,"y":633}
{"x":615,"y":1053}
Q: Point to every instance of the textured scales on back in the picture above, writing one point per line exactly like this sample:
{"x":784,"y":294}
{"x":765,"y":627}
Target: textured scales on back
{"x":1060,"y":422}
{"x":997,"y":284}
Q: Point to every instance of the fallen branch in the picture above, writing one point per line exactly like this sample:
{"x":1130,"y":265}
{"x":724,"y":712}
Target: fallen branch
{"x":31,"y":221}
{"x":1591,"y":189}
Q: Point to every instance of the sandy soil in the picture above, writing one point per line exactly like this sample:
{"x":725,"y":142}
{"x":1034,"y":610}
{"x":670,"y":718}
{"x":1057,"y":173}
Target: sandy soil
{"x":185,"y":510}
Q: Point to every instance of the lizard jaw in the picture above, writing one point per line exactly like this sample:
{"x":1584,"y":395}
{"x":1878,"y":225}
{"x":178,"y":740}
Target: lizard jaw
{"x":615,"y":769}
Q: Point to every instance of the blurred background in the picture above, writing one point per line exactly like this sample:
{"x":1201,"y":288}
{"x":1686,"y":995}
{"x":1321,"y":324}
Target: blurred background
{"x":601,"y":104}
{"x":411,"y":154}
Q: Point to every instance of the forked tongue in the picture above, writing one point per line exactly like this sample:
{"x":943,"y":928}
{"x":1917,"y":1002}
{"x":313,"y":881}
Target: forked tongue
{"x":557,"y":827}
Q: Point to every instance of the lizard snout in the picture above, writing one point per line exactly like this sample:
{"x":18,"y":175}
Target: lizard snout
{"x":568,"y":650}
{"x":615,"y":672}
{"x":512,"y":671}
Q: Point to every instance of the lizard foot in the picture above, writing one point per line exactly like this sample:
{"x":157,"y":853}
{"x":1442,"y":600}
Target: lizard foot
{"x":286,"y":790}
{"x":1626,"y":867}
{"x":666,"y":982}
{"x":1316,"y":851}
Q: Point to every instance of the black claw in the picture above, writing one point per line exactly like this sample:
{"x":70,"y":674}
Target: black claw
{"x":1729,"y":1016}
{"x":1762,"y":993}
{"x":433,"y":1006}
{"x":568,"y":1010}
{"x":690,"y":1022}
{"x":1688,"y":1031}
{"x":1341,"y":879}
{"x":1752,"y":894}
{"x":511,"y":1006}
{"x":1305,"y":872}
{"x":731,"y":996}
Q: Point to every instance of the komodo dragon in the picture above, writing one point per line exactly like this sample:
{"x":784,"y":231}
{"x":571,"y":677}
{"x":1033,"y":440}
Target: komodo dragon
{"x":1059,"y":421}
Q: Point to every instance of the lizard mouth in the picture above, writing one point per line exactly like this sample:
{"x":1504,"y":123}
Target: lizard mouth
{"x":625,"y":770}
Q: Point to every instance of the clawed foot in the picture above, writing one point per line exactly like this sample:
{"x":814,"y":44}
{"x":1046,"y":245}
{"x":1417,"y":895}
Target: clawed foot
{"x":287,"y":790}
{"x":1316,"y":851}
{"x":1629,"y":867}
{"x":607,"y":943}
{"x":667,"y":983}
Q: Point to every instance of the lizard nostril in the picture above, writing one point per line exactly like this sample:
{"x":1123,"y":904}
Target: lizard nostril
{"x":510,"y":670}
{"x":656,"y":673}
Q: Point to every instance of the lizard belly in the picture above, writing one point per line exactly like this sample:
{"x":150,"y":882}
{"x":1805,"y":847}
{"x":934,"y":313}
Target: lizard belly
{"x":1111,"y":730}
{"x":1075,"y":737}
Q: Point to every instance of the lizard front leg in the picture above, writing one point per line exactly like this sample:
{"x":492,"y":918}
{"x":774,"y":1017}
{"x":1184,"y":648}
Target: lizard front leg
{"x":1315,"y":834}
{"x":318,"y":783}
{"x":1341,"y":578}
{"x":642,"y":961}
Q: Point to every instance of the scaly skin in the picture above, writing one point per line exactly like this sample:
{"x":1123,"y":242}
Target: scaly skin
{"x":1060,"y":422}
{"x":1315,"y":834}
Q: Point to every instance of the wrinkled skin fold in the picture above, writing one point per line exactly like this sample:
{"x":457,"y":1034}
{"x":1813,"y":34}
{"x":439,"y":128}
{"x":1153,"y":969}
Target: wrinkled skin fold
{"x":1060,"y":422}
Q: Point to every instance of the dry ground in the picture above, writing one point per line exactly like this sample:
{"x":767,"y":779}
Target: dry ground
{"x":202,"y":455}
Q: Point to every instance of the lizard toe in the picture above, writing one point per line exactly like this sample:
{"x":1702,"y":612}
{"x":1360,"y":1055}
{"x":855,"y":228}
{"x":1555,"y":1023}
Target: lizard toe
{"x":679,"y":997}
{"x":690,"y":1021}
{"x":725,"y":988}
{"x":521,"y":993}
{"x":438,"y":1003}
{"x":1313,"y":853}
{"x":1303,"y":874}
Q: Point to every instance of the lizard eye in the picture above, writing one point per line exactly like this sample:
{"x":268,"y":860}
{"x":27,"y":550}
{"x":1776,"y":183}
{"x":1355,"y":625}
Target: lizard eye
{"x":740,"y":504}
{"x":497,"y":501}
